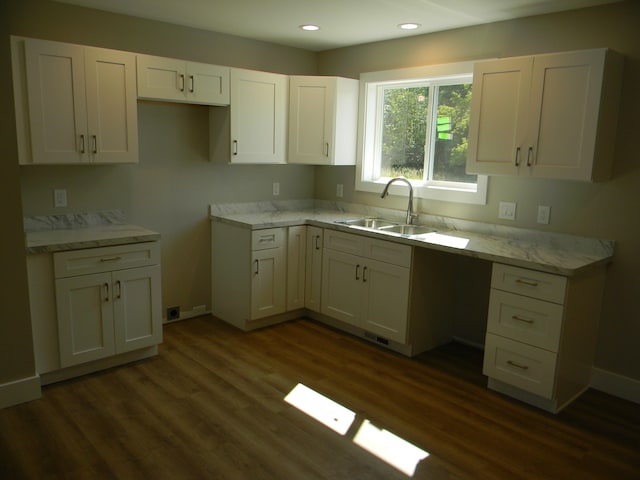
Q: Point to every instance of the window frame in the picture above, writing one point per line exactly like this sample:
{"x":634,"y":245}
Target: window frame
{"x":369,"y":124}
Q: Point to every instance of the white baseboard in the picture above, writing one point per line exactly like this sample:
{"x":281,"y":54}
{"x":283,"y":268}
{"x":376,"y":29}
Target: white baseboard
{"x":20,"y":391}
{"x":616,"y":385}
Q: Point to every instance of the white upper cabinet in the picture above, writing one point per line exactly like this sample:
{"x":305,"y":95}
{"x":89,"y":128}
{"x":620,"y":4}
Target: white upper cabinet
{"x":162,"y":78}
{"x":549,"y":116}
{"x":74,"y":104}
{"x":323,"y":120}
{"x":258,"y":117}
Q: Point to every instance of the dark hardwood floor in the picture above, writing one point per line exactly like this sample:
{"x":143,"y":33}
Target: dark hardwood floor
{"x":211,"y":406}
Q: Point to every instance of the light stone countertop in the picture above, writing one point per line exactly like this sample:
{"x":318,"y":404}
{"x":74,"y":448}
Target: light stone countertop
{"x":55,"y":233}
{"x":545,"y":251}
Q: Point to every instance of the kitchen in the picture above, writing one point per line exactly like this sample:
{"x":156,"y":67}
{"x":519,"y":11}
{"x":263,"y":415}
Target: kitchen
{"x":170,"y":189}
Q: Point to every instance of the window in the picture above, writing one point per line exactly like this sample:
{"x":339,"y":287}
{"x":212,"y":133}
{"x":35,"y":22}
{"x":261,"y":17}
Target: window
{"x":415,"y":124}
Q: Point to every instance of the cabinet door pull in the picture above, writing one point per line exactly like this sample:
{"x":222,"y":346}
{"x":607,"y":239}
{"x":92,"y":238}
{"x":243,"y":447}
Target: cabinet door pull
{"x":357,"y":272}
{"x":529,"y":283}
{"x":110,"y":259}
{"x":94,"y":138}
{"x":82,"y":143}
{"x":181,"y":87}
{"x":256,"y":269}
{"x":317,"y":240}
{"x":364,"y":274}
{"x":235,"y":147}
{"x":193,"y":83}
{"x":326,"y":149}
{"x":529,"y":156}
{"x":517,"y":365}
{"x":267,"y":238}
{"x":118,"y":290}
{"x":517,"y":160}
{"x":106,"y":292}
{"x":522,"y":319}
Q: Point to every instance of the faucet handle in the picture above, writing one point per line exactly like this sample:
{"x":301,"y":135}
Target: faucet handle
{"x":412,"y":217}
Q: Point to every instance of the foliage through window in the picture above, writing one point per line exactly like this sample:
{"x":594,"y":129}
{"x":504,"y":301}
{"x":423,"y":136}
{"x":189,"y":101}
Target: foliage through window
{"x":418,"y":128}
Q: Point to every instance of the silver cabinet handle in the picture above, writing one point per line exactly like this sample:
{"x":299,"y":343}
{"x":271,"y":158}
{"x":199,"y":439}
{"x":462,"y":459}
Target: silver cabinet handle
{"x":118,"y":289}
{"x":522,"y":319}
{"x":110,"y":259}
{"x":357,"y":272}
{"x":95,"y":143}
{"x":529,"y":283}
{"x":517,"y":160}
{"x":82,"y":143}
{"x":181,"y":87}
{"x":317,"y":240}
{"x":256,"y":269}
{"x":106,"y":292}
{"x":517,"y":365}
{"x":235,"y":147}
{"x":529,"y":156}
{"x":193,"y":83}
{"x":326,"y":149}
{"x":364,"y":274}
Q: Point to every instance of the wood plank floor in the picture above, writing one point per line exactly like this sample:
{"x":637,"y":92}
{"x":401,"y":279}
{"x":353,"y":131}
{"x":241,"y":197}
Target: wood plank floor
{"x":210,"y":406}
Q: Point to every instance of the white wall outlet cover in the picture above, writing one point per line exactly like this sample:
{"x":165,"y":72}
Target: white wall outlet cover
{"x":59,"y":197}
{"x":544,"y":214}
{"x":507,"y":210}
{"x":339,"y":190}
{"x":276,"y":188}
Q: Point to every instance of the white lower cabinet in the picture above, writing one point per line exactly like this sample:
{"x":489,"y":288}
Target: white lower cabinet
{"x":296,"y":259}
{"x":541,"y":334}
{"x":365,"y":283}
{"x":268,"y":276}
{"x":107,"y":301}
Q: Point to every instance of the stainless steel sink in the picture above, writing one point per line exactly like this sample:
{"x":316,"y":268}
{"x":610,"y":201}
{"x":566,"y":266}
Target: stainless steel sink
{"x":372,"y":223}
{"x":407,"y":229}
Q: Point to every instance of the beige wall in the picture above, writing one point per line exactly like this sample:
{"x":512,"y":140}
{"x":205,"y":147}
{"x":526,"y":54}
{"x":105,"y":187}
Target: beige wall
{"x":170,"y":188}
{"x":603,"y":210}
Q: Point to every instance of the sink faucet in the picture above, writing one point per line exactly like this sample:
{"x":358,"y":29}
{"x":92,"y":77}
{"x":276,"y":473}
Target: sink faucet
{"x":410,"y":214}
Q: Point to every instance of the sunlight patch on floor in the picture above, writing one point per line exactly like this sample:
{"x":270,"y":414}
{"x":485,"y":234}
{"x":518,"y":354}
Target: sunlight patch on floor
{"x":396,"y":451}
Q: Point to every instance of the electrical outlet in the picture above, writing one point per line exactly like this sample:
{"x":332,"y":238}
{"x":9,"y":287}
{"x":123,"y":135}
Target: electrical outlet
{"x":339,"y":190}
{"x":276,"y":189}
{"x":507,"y":210}
{"x":544,"y":214}
{"x":59,"y":198}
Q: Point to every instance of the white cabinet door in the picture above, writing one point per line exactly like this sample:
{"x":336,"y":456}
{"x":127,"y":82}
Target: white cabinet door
{"x":175,"y":80}
{"x":85,"y":318}
{"x":385,"y":300}
{"x":136,"y":304}
{"x":499,"y":111}
{"x":342,"y":286}
{"x":322,"y":120}
{"x":258,"y":117}
{"x":111,"y":106}
{"x":268,"y":283}
{"x":57,"y":102}
{"x":82,"y":104}
{"x":313,"y":281}
{"x":296,"y":257}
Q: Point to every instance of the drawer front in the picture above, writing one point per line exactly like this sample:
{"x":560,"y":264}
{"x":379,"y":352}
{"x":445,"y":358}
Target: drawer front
{"x":534,"y":322}
{"x":105,"y":259}
{"x":531,"y":283}
{"x":344,"y":242}
{"x":388,"y":252}
{"x":265,"y":239}
{"x":523,"y":366}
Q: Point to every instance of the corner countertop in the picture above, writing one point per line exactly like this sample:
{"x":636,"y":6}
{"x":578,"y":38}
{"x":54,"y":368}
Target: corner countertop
{"x":55,"y":233}
{"x":544,"y":251}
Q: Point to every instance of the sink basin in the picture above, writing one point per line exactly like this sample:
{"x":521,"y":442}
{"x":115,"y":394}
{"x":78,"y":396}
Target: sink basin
{"x":373,"y":223}
{"x":407,"y":229}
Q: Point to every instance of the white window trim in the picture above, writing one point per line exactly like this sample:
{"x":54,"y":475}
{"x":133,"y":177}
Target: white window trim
{"x":460,"y":193}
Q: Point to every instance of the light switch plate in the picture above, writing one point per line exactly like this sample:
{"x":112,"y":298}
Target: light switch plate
{"x":507,"y":210}
{"x":276,"y":188}
{"x":339,"y":190}
{"x":544,"y":214}
{"x":59,"y":198}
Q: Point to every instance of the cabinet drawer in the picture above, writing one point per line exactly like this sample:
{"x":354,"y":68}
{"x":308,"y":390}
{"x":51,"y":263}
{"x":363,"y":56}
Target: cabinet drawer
{"x":388,"y":252}
{"x":105,"y":259}
{"x":531,"y":283}
{"x":523,"y":366}
{"x":269,"y":238}
{"x":344,"y":242}
{"x":531,"y":321}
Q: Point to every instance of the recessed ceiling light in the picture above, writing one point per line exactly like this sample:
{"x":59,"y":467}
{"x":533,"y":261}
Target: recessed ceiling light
{"x":409,"y":26}
{"x":309,"y":28}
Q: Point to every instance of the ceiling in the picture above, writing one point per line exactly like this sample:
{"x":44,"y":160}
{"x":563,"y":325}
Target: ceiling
{"x":342,"y":22}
